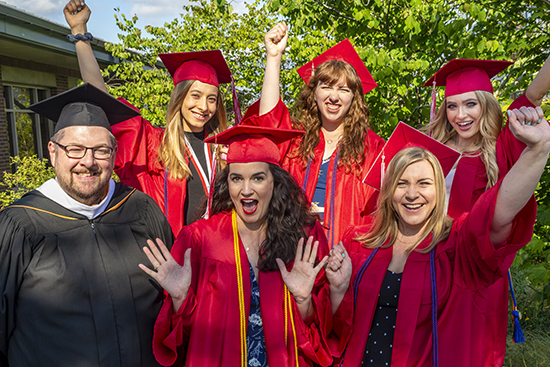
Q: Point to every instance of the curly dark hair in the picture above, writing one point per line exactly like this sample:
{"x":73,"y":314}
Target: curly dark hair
{"x":306,"y":116}
{"x":288,"y":216}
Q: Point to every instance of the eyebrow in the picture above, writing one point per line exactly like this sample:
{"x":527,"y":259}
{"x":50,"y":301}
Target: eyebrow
{"x":464,"y":101}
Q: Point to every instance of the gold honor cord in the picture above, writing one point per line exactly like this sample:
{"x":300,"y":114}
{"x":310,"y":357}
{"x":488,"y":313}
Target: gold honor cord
{"x":240,"y":287}
{"x":287,"y":299}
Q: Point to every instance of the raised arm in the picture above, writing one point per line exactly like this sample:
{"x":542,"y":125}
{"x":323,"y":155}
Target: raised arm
{"x":540,"y":85}
{"x":520,"y":182}
{"x":77,"y":14}
{"x":275,"y":44}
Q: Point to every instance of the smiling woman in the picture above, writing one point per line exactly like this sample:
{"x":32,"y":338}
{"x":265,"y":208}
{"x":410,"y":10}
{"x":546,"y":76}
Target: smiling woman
{"x":338,"y":146}
{"x":415,"y":290}
{"x":251,"y":291}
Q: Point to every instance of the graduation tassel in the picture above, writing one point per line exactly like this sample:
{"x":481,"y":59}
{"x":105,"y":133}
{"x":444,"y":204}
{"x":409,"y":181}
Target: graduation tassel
{"x":236,"y":107}
{"x":432,"y":107}
{"x":518,"y":333}
{"x":382,"y":170}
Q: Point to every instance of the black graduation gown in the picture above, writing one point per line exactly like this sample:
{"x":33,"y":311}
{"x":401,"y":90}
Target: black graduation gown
{"x":71,"y":291}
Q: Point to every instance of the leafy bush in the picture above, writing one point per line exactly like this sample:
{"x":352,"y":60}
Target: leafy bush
{"x":31,"y":173}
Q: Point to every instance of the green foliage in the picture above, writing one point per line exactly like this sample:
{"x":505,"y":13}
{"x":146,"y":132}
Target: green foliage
{"x":534,"y":353}
{"x":31,"y":173}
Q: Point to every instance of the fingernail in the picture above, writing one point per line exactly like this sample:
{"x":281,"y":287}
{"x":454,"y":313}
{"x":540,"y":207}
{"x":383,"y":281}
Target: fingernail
{"x":82,"y":3}
{"x":538,"y":122}
{"x":79,"y":9}
{"x":508,"y":112}
{"x":523,"y":122}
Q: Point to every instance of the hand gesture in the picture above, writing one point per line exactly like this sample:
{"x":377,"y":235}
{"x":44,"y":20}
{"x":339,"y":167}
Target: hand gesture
{"x":339,"y":269}
{"x":174,"y":278}
{"x":301,"y":278}
{"x":529,"y":126}
{"x":77,"y":14}
{"x":275,"y":40}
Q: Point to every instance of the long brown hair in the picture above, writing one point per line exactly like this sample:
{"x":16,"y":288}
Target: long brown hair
{"x":172,"y":150}
{"x":490,"y":125}
{"x":288,"y":217}
{"x":386,"y":221}
{"x":356,"y":121}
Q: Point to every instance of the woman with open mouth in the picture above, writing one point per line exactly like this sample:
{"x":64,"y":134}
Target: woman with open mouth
{"x":338,"y":146}
{"x":419,"y":279}
{"x":246,"y":287}
{"x":470,"y":120}
{"x":173,"y":165}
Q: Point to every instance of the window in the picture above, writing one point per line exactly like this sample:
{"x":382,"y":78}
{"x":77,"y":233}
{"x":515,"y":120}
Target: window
{"x":28,"y":132}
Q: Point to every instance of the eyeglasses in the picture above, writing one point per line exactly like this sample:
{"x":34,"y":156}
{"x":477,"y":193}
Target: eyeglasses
{"x":78,"y":151}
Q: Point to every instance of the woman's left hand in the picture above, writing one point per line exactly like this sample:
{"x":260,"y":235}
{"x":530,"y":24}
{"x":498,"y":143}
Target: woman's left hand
{"x":301,"y":278}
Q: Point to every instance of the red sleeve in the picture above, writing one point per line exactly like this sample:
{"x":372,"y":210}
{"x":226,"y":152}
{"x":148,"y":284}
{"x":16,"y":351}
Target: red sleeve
{"x":172,"y":330}
{"x":342,"y":327}
{"x":508,"y":147}
{"x":477,"y":259}
{"x":277,"y":118}
{"x":138,"y":143}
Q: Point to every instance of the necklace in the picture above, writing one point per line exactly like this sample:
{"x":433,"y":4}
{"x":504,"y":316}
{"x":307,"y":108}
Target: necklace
{"x":330,"y":141}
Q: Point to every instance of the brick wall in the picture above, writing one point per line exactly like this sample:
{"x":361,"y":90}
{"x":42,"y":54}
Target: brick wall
{"x":4,"y":150}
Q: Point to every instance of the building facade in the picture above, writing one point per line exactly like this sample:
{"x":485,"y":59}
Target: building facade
{"x":36,"y":61}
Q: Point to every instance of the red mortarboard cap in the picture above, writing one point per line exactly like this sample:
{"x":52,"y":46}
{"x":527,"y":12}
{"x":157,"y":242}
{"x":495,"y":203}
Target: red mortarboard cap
{"x":253,"y":143}
{"x":462,"y":75}
{"x":206,"y":66}
{"x":403,"y":137}
{"x":85,"y":105}
{"x":343,"y":51}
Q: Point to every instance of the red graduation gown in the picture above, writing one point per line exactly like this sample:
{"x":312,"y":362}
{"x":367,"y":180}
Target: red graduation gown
{"x":353,"y":199}
{"x":466,"y":264}
{"x":469,"y":183}
{"x":209,"y":317}
{"x":138,"y":166}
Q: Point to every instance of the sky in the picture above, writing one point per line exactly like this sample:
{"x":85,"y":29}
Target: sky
{"x":102,"y":21}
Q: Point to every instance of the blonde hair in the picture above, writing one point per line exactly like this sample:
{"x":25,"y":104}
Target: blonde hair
{"x":490,"y":125}
{"x":172,"y":150}
{"x":386,"y":220}
{"x":356,"y":120}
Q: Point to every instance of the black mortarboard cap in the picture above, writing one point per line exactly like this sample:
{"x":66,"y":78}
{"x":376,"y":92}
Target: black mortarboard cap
{"x":85,"y":105}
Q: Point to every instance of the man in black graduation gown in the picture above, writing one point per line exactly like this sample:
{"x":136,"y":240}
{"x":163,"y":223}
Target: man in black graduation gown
{"x":71,"y":291}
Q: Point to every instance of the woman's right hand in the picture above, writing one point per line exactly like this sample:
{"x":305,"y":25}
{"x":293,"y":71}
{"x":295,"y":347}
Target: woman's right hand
{"x":77,"y":14}
{"x":276,"y":39}
{"x":338,"y":271}
{"x":339,"y":268}
{"x":174,"y":278}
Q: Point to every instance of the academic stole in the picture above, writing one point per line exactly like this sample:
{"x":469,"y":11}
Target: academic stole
{"x":242,"y":312}
{"x":206,"y":180}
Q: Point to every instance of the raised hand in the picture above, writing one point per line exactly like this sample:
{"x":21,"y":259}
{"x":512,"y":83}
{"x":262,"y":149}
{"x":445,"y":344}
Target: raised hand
{"x":77,"y":14}
{"x":301,"y":278}
{"x":276,"y":39}
{"x":174,"y":278}
{"x":529,"y":126}
{"x":338,"y":270}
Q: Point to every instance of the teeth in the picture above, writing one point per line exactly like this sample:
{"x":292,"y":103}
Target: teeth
{"x":465,"y":123}
{"x":413,"y":206}
{"x":332,"y":108}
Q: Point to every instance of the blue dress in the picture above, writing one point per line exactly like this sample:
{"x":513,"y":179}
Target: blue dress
{"x":255,"y":341}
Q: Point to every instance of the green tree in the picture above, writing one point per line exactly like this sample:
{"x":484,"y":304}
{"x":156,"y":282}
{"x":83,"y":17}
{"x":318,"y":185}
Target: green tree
{"x":31,"y":173}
